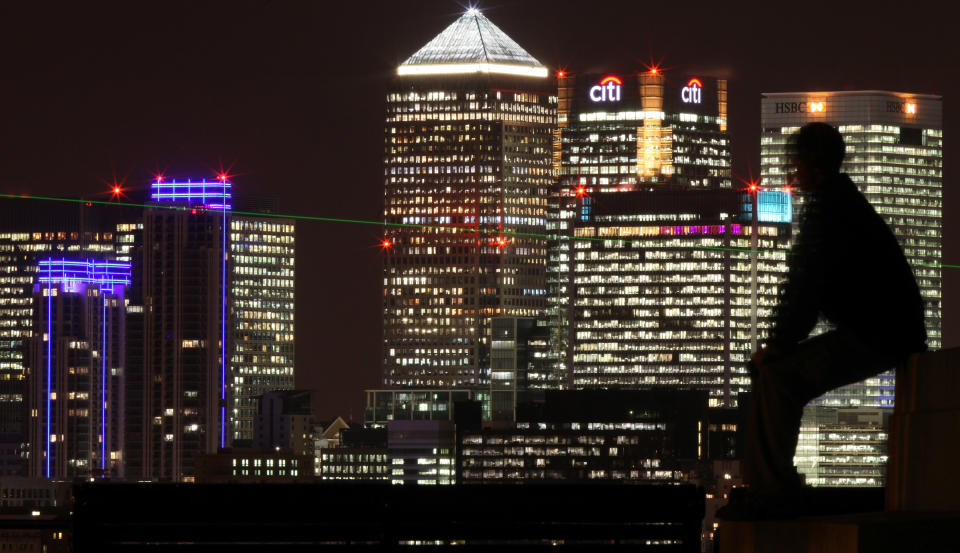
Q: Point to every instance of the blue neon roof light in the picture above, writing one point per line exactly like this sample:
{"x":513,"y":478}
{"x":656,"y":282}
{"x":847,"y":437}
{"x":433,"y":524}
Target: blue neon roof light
{"x":102,"y":272}
{"x":209,"y":194}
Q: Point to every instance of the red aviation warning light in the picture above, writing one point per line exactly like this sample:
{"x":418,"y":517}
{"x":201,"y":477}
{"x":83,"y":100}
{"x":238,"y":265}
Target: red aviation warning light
{"x":386,"y":244}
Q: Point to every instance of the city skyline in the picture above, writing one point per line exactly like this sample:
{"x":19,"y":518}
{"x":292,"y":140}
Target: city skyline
{"x":140,"y":112}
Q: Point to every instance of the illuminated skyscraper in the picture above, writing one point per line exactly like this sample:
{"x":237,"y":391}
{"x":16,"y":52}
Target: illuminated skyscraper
{"x":468,"y":156}
{"x":76,"y":368}
{"x":618,"y":131}
{"x":625,"y":132}
{"x":894,"y":144}
{"x":261,"y":314}
{"x":31,"y":230}
{"x":666,"y":292}
{"x":182,"y":400}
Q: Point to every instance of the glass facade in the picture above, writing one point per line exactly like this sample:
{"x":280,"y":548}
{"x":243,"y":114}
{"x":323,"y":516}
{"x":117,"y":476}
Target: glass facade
{"x":666,"y":291}
{"x":467,"y":168}
{"x":262,"y":253}
{"x":625,"y":133}
{"x":180,"y":388}
{"x":843,"y":447}
{"x":28,"y":234}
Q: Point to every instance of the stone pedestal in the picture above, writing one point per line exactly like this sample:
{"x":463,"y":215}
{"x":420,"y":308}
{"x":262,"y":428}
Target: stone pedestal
{"x":924,"y":435}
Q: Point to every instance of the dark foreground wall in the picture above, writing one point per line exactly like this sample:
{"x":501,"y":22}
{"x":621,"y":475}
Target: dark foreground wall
{"x":191,"y":517}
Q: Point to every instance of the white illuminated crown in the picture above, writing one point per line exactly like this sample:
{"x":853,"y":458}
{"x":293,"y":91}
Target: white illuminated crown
{"x":472,"y":44}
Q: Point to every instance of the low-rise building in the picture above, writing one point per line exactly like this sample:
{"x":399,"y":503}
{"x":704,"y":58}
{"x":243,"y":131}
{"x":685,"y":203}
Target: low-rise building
{"x":255,"y":466}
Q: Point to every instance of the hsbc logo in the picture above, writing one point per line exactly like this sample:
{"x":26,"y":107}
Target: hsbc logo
{"x":800,"y":107}
{"x":908,"y":108}
{"x":693,"y":92}
{"x":607,"y":91}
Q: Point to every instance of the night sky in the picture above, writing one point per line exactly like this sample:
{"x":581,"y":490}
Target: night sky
{"x":290,"y":97}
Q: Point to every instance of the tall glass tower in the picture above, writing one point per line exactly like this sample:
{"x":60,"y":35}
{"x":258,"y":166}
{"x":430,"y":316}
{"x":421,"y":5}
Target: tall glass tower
{"x":623,"y":135}
{"x":261,"y":314}
{"x":468,"y":161}
{"x":179,"y":393}
{"x":894,"y":155}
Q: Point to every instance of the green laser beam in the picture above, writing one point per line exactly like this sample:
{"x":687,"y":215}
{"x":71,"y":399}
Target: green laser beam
{"x":402,"y":225}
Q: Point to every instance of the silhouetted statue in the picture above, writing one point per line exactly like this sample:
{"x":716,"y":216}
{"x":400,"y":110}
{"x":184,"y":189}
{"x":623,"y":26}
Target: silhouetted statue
{"x":847,"y":268}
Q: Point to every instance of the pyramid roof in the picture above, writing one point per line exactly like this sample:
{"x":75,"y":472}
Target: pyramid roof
{"x":472,"y":44}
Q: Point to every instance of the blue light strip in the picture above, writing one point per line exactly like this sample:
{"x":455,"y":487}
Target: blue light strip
{"x":223,"y":335}
{"x":49,"y":368}
{"x":89,"y":271}
{"x":211,"y":195}
{"x":103,"y":387}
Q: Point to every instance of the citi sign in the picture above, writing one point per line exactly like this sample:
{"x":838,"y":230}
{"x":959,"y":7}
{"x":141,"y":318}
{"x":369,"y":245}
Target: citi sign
{"x":607,"y":91}
{"x":693,"y":92}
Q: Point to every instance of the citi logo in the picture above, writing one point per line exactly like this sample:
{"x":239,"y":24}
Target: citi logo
{"x":607,"y":91}
{"x":693,"y":92}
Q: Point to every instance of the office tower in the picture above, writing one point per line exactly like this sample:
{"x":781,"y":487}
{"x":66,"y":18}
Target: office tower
{"x":843,"y":447}
{"x":261,"y":314}
{"x":628,"y":131}
{"x":182,"y":399}
{"x":666,"y":290}
{"x":467,"y":167}
{"x":623,"y":130}
{"x":894,"y":144}
{"x":29,"y":231}
{"x":76,"y":368}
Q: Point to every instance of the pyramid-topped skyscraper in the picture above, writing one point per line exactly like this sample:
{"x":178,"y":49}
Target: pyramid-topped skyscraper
{"x":468,"y":160}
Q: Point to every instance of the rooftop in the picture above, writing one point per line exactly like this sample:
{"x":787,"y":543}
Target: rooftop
{"x":472,"y":44}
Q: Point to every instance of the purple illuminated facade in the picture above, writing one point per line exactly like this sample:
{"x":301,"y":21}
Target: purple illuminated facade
{"x":77,"y":360}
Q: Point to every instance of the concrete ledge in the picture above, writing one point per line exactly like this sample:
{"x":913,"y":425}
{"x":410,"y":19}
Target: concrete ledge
{"x":879,"y":532}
